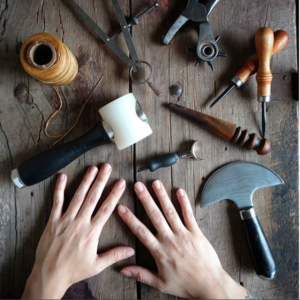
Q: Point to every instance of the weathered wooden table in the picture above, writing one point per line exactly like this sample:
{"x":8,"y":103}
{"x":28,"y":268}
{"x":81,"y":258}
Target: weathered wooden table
{"x":24,"y":213}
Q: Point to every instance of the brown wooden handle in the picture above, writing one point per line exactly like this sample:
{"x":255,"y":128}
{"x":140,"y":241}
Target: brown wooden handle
{"x":250,"y":141}
{"x":264,"y":40}
{"x":281,"y":38}
{"x":226,"y":130}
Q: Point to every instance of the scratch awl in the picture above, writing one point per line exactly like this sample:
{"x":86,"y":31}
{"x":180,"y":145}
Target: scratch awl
{"x":281,"y":38}
{"x":264,"y":39}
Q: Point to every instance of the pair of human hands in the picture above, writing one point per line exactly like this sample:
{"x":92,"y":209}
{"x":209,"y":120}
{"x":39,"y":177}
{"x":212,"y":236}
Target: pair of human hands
{"x":188,"y":266}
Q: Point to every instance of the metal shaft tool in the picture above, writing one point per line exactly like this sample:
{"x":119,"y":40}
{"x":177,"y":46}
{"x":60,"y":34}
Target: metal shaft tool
{"x":168,"y":160}
{"x":264,"y":40}
{"x":135,"y":20}
{"x":237,"y":182}
{"x":250,"y":67}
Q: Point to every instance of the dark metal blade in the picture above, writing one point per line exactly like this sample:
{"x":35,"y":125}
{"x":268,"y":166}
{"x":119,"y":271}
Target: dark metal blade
{"x":126,"y":33}
{"x":100,"y":33}
{"x":231,"y":86}
{"x":264,"y":118}
{"x":210,"y":5}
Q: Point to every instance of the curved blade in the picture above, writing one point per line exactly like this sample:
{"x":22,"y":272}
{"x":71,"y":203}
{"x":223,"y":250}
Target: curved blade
{"x":181,"y":20}
{"x":237,"y":182}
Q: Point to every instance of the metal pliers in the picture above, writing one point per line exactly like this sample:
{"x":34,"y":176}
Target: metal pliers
{"x":207,"y":48}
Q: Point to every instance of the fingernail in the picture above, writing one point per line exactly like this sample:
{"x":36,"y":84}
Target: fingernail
{"x":129,"y":253}
{"x":120,"y":184}
{"x":181,"y":192}
{"x":106,"y":168}
{"x":126,"y":273}
{"x":61,"y":177}
{"x":93,"y":170}
{"x":157,"y":184}
{"x":139,"y":187}
{"x":122,"y":209}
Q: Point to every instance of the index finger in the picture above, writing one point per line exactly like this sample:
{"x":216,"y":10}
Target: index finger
{"x":109,"y":204}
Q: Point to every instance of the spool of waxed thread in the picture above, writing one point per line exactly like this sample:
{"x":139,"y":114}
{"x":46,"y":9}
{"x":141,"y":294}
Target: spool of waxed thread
{"x":46,"y":58}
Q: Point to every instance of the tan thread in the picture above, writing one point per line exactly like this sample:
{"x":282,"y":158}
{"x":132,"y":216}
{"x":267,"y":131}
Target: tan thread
{"x":62,"y":136}
{"x":46,"y":58}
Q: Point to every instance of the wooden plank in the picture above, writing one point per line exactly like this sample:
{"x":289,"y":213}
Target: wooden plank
{"x":221,"y":223}
{"x":24,"y":213}
{"x":30,"y":208}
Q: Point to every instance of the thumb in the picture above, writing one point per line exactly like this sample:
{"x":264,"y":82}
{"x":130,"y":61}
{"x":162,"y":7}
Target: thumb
{"x":143,"y":275}
{"x":110,"y":257}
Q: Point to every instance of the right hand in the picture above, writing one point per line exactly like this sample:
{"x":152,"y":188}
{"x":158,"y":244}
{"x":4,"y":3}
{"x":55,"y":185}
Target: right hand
{"x":188,"y":266}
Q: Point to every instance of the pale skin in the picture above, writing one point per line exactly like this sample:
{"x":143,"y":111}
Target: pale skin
{"x":188,"y":266}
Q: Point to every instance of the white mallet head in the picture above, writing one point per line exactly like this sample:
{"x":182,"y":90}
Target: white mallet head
{"x":125,"y":122}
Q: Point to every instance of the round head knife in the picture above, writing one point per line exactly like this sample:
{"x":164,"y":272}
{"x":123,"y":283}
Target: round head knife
{"x":237,"y":182}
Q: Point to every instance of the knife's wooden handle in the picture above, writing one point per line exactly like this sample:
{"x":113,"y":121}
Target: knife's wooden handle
{"x":281,"y":38}
{"x":264,"y":40}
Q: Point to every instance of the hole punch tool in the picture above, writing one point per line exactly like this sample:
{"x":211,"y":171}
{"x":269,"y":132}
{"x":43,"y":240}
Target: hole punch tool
{"x":132,"y":61}
{"x":207,"y":48}
{"x":170,"y":159}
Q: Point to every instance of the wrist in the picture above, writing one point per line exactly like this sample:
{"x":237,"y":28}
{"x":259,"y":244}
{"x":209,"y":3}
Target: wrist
{"x":39,"y":286}
{"x":221,"y":286}
{"x":227,"y":288}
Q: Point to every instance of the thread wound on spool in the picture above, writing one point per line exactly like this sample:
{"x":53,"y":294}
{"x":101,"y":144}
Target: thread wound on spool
{"x":41,"y":55}
{"x":46,"y":58}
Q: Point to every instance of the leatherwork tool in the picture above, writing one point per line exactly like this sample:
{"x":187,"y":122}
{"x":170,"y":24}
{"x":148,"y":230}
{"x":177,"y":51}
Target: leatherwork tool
{"x":264,"y":40}
{"x":207,"y":48}
{"x":171,"y":159}
{"x":123,"y":123}
{"x":133,"y":62}
{"x":281,"y":38}
{"x":226,"y":130}
{"x":237,"y":182}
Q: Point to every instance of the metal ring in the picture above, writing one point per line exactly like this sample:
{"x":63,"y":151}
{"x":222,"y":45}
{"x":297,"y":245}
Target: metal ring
{"x":145,"y":81}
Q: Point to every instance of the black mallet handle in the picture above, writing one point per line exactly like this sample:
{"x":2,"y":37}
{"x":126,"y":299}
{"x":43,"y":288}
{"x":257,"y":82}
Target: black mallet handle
{"x":48,"y":163}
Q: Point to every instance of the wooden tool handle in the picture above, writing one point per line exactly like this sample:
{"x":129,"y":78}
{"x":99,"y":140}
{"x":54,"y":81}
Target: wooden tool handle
{"x":250,"y":141}
{"x":226,"y":130}
{"x":264,"y":40}
{"x":281,"y":38}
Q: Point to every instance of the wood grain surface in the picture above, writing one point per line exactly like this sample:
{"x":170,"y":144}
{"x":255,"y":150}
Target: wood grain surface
{"x":24,"y":213}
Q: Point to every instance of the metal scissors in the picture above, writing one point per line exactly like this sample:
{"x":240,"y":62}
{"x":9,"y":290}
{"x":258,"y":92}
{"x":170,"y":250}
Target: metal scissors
{"x":207,"y":48}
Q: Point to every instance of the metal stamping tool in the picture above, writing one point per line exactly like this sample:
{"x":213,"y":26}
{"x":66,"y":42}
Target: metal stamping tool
{"x":207,"y":48}
{"x":237,"y":182}
{"x":168,"y":160}
{"x":132,"y":61}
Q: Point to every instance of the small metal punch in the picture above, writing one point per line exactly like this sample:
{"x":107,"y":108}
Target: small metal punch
{"x":207,"y":48}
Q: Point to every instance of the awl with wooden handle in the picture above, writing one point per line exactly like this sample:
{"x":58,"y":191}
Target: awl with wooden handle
{"x":264,"y":40}
{"x":281,"y":38}
{"x":228,"y":131}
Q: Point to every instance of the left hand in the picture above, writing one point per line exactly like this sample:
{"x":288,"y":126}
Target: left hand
{"x":67,"y":252}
